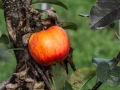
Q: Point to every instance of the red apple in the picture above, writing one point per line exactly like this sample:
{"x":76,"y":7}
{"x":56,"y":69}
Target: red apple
{"x":50,"y":46}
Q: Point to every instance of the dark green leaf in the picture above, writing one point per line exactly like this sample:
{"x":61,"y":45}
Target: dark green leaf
{"x":69,"y":25}
{"x":103,"y":70}
{"x":97,"y":61}
{"x":85,"y":15}
{"x":80,"y":77}
{"x":108,"y":75}
{"x":67,"y":86}
{"x":105,"y":13}
{"x":1,"y":5}
{"x":56,"y":2}
{"x":114,"y":77}
{"x":60,"y":77}
{"x":4,"y":39}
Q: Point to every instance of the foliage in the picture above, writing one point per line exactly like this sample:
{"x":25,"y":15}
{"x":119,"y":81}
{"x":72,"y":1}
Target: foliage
{"x":69,"y":25}
{"x":102,"y":15}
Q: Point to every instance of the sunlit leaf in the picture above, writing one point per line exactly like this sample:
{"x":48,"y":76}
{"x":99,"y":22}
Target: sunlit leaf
{"x":80,"y":77}
{"x":60,"y":77}
{"x":97,"y":61}
{"x":69,"y":25}
{"x":105,"y":13}
{"x":56,"y":2}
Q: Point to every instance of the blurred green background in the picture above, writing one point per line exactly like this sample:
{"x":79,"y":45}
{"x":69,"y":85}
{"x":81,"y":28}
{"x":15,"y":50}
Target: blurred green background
{"x":86,"y":43}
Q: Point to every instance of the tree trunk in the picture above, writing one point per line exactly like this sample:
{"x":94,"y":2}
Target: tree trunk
{"x":27,"y":73}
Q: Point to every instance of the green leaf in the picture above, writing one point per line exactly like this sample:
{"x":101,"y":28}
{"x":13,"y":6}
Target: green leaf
{"x":4,"y":39}
{"x":56,"y":2}
{"x":103,"y":70}
{"x":80,"y":77}
{"x":60,"y":77}
{"x":103,"y":15}
{"x":108,"y":75}
{"x":97,"y":61}
{"x":1,"y":5}
{"x":69,"y":25}
{"x":114,"y":77}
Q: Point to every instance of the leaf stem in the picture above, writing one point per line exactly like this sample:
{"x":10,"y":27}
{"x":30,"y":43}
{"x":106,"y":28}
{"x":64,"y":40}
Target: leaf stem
{"x":116,"y":33}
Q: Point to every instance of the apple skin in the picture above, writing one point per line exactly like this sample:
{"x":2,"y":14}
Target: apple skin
{"x":48,"y":47}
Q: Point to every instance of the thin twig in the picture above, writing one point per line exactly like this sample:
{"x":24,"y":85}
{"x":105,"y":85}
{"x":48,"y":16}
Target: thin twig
{"x":99,"y":83}
{"x":43,"y":76}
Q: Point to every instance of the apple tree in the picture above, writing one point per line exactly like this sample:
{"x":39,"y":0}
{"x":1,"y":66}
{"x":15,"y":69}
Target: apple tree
{"x":23,"y":19}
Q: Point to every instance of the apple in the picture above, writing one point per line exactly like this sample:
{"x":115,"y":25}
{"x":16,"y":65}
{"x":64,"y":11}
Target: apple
{"x":48,"y":47}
